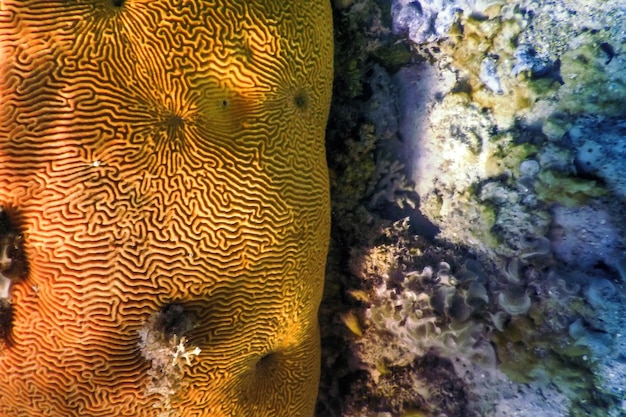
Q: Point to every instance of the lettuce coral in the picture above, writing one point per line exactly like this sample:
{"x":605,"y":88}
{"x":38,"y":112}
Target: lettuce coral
{"x":599,"y":291}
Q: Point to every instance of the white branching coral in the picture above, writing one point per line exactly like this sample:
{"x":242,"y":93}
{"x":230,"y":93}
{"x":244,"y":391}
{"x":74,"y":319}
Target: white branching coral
{"x":180,"y":353}
{"x":168,"y":356}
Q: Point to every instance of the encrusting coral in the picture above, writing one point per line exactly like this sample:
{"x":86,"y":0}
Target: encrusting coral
{"x":157,"y":154}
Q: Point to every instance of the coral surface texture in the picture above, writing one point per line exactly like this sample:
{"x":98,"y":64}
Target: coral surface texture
{"x":165,"y":202}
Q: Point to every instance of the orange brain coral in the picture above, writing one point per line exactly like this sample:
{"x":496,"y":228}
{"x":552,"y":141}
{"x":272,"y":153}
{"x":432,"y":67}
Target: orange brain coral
{"x":164,"y":164}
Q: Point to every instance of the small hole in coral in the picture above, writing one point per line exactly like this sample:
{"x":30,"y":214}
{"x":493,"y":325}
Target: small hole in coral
{"x":118,"y":3}
{"x":266,"y":361}
{"x":13,"y":262}
{"x":301,"y":100}
{"x":173,"y":320}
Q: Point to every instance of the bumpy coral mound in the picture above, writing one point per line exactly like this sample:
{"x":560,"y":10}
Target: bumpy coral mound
{"x":156,"y":154}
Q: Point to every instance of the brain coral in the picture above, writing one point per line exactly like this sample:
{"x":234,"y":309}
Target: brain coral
{"x":160,"y":156}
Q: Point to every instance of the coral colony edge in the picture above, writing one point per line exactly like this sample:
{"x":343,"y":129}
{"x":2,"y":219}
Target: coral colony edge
{"x":165,"y":206}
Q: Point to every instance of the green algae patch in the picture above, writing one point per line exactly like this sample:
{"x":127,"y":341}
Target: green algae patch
{"x":593,"y":83}
{"x":566,"y":190}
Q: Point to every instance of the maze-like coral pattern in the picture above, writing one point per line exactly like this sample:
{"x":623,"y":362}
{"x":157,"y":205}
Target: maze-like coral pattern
{"x":156,"y":152}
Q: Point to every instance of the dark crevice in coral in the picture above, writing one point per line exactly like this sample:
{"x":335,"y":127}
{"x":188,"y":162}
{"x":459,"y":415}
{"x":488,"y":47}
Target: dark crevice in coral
{"x":173,"y":320}
{"x":267,"y":362}
{"x":6,"y":317}
{"x":13,"y":262}
{"x":13,"y":268}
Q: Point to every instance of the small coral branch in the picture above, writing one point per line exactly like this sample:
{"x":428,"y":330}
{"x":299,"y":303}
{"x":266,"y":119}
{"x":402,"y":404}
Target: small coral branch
{"x":180,"y":353}
{"x":168,"y":355}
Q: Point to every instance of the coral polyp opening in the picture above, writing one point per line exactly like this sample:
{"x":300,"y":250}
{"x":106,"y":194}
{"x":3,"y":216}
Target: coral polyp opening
{"x":173,"y":320}
{"x":301,"y":100}
{"x":265,"y":362}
